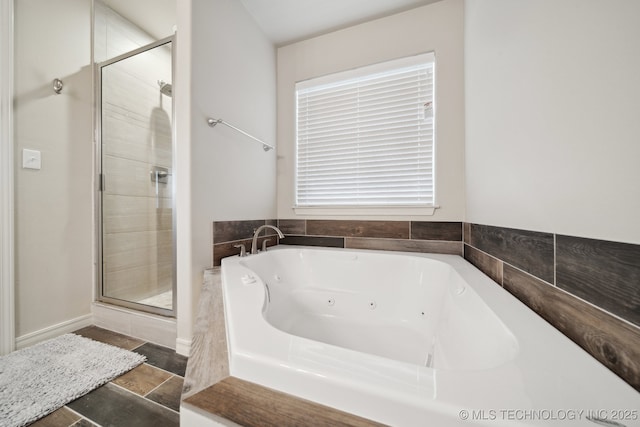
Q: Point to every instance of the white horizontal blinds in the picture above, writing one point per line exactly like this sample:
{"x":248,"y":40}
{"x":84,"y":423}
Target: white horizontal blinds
{"x":364,"y":140}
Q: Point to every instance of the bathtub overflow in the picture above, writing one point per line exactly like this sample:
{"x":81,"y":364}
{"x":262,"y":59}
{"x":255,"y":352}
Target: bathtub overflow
{"x":372,"y":305}
{"x":331,"y":301}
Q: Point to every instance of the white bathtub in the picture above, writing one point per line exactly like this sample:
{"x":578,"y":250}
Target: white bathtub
{"x":408,"y":340}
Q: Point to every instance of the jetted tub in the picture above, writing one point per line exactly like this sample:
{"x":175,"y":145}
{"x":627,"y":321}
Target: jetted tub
{"x":408,"y":340}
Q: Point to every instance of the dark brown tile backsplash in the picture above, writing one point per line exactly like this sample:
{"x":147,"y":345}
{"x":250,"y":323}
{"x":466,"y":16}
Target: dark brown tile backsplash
{"x":227,"y":231}
{"x":604,"y":273}
{"x":489,"y":265}
{"x":328,"y":242}
{"x":225,"y":249}
{"x":415,"y":236}
{"x":466,"y":231}
{"x":613,"y":342}
{"x":346,"y":228}
{"x":227,"y":234}
{"x":424,"y":230}
{"x":292,"y":226}
{"x":405,"y":245}
{"x":530,"y":251}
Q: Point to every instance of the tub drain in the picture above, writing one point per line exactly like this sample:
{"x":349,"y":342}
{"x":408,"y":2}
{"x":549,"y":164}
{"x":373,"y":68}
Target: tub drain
{"x":331,"y":301}
{"x":372,"y":305}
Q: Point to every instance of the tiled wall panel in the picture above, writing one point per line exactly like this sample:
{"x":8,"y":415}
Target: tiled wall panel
{"x":136,"y":136}
{"x":416,"y":236}
{"x":528,"y":250}
{"x":346,"y":228}
{"x":293,"y":226}
{"x":588,"y":289}
{"x":327,"y":242}
{"x":425,"y":230}
{"x":228,"y":234}
{"x":613,"y":342}
{"x":489,"y":265}
{"x":228,"y":231}
{"x":406,"y":236}
{"x":604,"y":273}
{"x":405,"y":245}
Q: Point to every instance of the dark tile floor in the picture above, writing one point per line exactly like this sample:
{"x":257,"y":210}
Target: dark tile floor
{"x":148,"y":395}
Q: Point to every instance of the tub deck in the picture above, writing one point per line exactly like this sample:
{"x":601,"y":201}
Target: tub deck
{"x":551,"y":378}
{"x":548,"y":376}
{"x":212,"y":397}
{"x":249,"y":404}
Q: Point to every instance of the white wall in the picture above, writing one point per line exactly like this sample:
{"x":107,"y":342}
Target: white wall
{"x":552,"y":116}
{"x":437,"y":27}
{"x":222,"y":175}
{"x":53,"y":206}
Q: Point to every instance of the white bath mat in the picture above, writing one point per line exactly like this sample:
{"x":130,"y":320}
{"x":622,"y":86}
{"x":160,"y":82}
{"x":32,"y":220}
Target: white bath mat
{"x":39,"y":379}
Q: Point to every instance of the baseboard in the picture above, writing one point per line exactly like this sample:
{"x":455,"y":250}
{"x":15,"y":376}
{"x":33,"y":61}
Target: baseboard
{"x":183,"y":347}
{"x":54,"y":331}
{"x":148,"y":327}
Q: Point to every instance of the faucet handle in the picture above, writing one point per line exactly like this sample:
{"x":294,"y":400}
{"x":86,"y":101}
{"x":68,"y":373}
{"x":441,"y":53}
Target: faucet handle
{"x":264,"y":244}
{"x":243,"y":249}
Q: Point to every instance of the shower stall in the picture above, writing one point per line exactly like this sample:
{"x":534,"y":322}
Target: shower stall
{"x":136,"y":192}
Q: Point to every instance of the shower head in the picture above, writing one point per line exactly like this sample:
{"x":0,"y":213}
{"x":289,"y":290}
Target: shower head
{"x":165,"y":88}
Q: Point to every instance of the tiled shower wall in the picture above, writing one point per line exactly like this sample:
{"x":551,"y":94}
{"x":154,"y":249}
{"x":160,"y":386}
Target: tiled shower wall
{"x":588,"y":289}
{"x":136,"y":136}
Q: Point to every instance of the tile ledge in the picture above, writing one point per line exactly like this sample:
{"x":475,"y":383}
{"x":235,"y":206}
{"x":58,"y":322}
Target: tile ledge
{"x":250,"y":404}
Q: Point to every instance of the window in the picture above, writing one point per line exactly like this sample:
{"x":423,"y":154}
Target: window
{"x":365,"y":137}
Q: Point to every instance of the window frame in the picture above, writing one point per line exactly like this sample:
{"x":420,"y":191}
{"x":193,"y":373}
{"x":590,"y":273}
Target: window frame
{"x":368,"y":210}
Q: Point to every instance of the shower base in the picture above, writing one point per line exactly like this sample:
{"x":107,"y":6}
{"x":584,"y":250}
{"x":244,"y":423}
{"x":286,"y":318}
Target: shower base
{"x":163,"y":300}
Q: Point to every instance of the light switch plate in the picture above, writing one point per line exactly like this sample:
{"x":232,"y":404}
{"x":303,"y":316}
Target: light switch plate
{"x":31,"y":159}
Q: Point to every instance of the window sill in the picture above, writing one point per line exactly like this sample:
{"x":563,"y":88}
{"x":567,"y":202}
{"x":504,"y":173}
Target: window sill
{"x":366,"y":211}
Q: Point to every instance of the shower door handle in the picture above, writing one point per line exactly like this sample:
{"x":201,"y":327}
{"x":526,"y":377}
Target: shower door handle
{"x":159,"y":175}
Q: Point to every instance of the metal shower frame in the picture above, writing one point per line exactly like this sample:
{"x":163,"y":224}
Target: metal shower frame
{"x":98,"y":187}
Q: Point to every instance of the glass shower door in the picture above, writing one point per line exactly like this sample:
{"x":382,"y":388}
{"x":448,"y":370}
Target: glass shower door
{"x":136,"y":181}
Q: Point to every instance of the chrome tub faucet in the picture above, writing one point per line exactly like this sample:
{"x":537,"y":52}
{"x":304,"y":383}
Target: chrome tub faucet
{"x":254,"y":242}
